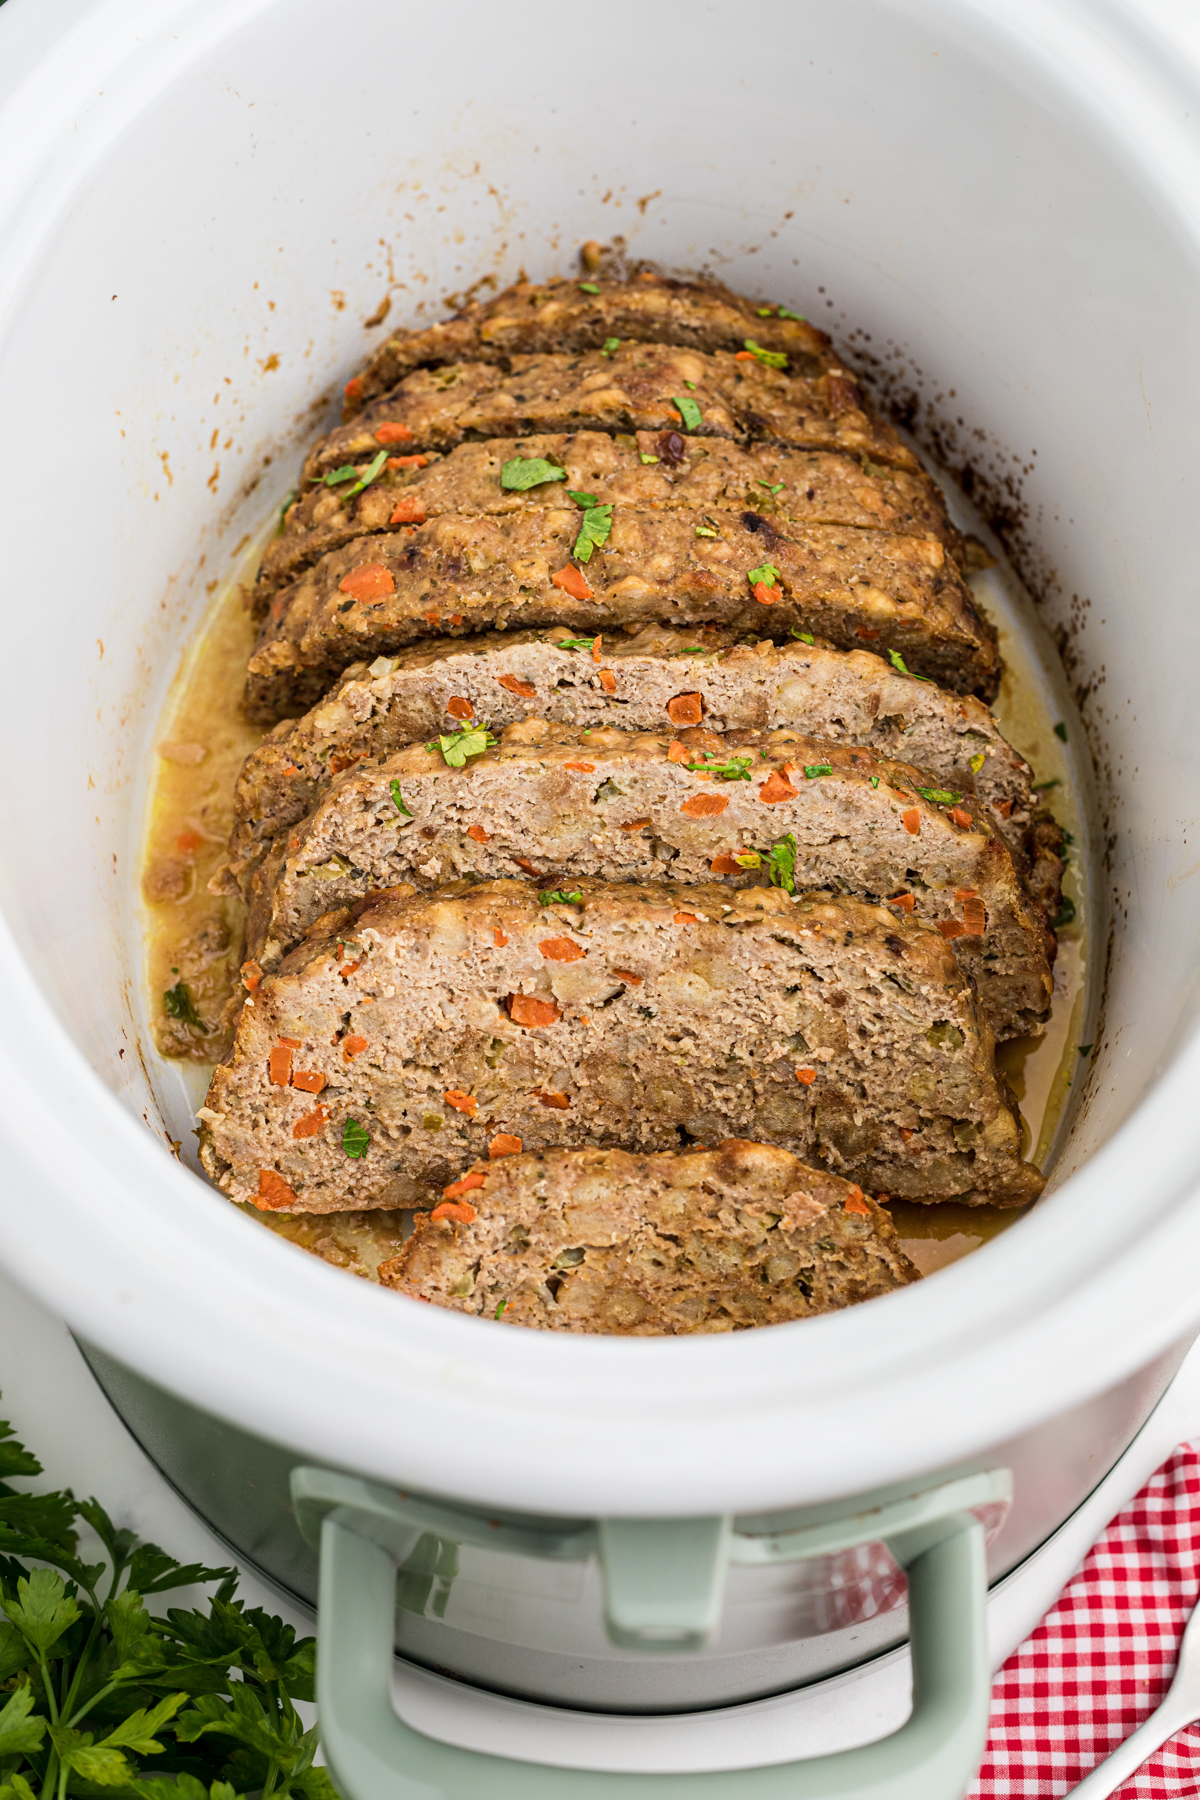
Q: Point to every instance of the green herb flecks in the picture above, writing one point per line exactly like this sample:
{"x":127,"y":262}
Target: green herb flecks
{"x":99,"y":1695}
{"x":689,"y":411}
{"x":805,"y":637}
{"x":940,"y":796}
{"x":705,"y":531}
{"x":1060,"y":732}
{"x":610,"y":345}
{"x":977,"y":761}
{"x":355,"y":1139}
{"x":347,"y":472}
{"x":874,"y":781}
{"x":368,"y":476}
{"x":560,"y":897}
{"x":898,"y":663}
{"x":772,"y":487}
{"x":766,"y":575}
{"x":737,"y":768}
{"x":691,"y":650}
{"x":289,"y":501}
{"x":783,"y":863}
{"x":575,"y":643}
{"x":748,"y":859}
{"x":594,"y":527}
{"x":1084,"y":1049}
{"x":468,"y":740}
{"x":799,"y":317}
{"x":812,"y":771}
{"x":644,"y":457}
{"x":500,"y":1309}
{"x":525,"y":472}
{"x":1043,"y":787}
{"x":1066,"y":913}
{"x":764,"y":312}
{"x":178,"y":1004}
{"x":587,"y":287}
{"x":398,"y":799}
{"x":774,"y":359}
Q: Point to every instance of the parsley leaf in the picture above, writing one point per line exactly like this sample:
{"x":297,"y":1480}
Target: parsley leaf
{"x":774,"y":359}
{"x":368,"y":476}
{"x":559,"y":896}
{"x":783,"y":863}
{"x":575,"y":643}
{"x":806,"y":637}
{"x":524,"y":472}
{"x":468,"y":740}
{"x":594,"y":528}
{"x":737,"y":768}
{"x":587,"y":287}
{"x":178,"y":1004}
{"x":978,"y":760}
{"x":749,"y":859}
{"x":705,"y":531}
{"x":580,"y":498}
{"x":1066,"y":913}
{"x":766,"y":573}
{"x":874,"y":781}
{"x":1043,"y":787}
{"x":764,"y":312}
{"x":691,"y":650}
{"x":398,"y":797}
{"x":940,"y":796}
{"x":689,"y":411}
{"x":1060,"y":732}
{"x":610,"y":344}
{"x":799,"y":317}
{"x":898,"y":663}
{"x":812,"y":770}
{"x":347,"y":472}
{"x":645,"y":458}
{"x":772,"y":487}
{"x":355,"y":1138}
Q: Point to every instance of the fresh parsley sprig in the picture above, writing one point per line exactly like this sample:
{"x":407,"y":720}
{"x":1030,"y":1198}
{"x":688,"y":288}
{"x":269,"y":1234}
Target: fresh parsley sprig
{"x":457,"y":746}
{"x":594,"y":527}
{"x":737,"y":768}
{"x":783,"y":863}
{"x":525,"y":472}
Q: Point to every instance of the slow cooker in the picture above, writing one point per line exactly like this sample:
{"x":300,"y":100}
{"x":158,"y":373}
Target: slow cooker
{"x":997,"y":211}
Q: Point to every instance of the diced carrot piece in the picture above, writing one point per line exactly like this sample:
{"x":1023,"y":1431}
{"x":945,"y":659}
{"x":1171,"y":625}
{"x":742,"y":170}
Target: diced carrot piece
{"x":865,"y":632}
{"x":309,"y":1081}
{"x":408,"y":511}
{"x":431,"y":618}
{"x":498,"y":937}
{"x":545,"y":1097}
{"x":974,"y":917}
{"x":765,"y":595}
{"x":677,"y":752}
{"x":608,"y":681}
{"x":251,"y":975}
{"x":581,"y":768}
{"x":911,"y":821}
{"x":371,"y":581}
{"x":292,"y":1043}
{"x":596,"y":643}
{"x":561,"y":949}
{"x":628,"y":975}
{"x":406,"y":462}
{"x":961,"y":818}
{"x":279,"y":1065}
{"x":461,"y":1211}
{"x":188,"y":842}
{"x":312,"y":1123}
{"x":775,"y":788}
{"x":348,"y":969}
{"x":504,"y":1144}
{"x":391,"y":433}
{"x":572,"y":582}
{"x":905,"y":902}
{"x":479,"y":834}
{"x":459,"y":708}
{"x":704,"y":806}
{"x":724,"y":865}
{"x":463,"y":1103}
{"x":273,"y":1192}
{"x":1004,"y":808}
{"x":523,"y":1009}
{"x":856,"y":1203}
{"x":456,"y":618}
{"x":686,"y":709}
{"x":906,"y":1134}
{"x":353,"y":388}
{"x":463,"y":1185}
{"x":682,"y":918}
{"x":523,"y":862}
{"x":526,"y":689}
{"x":806,"y":1077}
{"x":950,"y":928}
{"x":744,"y":356}
{"x":353,"y":1046}
{"x":635,"y":824}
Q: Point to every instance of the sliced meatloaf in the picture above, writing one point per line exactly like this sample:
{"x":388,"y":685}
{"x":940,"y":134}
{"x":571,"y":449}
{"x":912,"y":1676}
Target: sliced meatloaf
{"x":649,"y":1246}
{"x":638,"y":682}
{"x":461,"y":573}
{"x":554,"y":802}
{"x":809,"y":487}
{"x":586,"y":314}
{"x":637,"y":388}
{"x":404,"y":1035}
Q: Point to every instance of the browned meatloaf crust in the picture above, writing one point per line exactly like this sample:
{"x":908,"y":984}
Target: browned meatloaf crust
{"x":637,"y":388}
{"x":649,"y":1246}
{"x":809,"y":487}
{"x":459,"y":574}
{"x":401,"y":1037}
{"x":586,"y":314}
{"x":432,"y":686}
{"x":554,"y":802}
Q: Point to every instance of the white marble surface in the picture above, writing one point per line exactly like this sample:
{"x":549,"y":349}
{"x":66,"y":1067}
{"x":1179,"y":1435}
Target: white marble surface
{"x":48,"y":1393}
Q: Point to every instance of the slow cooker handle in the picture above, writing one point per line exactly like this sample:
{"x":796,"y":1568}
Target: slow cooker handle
{"x":374,"y":1755}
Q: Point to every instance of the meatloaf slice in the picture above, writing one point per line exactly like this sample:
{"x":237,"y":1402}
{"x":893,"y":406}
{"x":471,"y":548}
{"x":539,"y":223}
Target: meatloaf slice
{"x":555,"y":803}
{"x":649,"y":1246}
{"x":808,"y":487}
{"x":464,"y":573}
{"x":403,"y":1036}
{"x":568,"y":315}
{"x":637,"y":388}
{"x":434,"y":686}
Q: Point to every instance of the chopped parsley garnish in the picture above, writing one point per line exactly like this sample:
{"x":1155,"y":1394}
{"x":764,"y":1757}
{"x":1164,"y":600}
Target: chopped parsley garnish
{"x":774,"y":359}
{"x":368,"y":476}
{"x":347,"y":472}
{"x":978,"y":760}
{"x":1066,"y":913}
{"x":645,"y":458}
{"x":524,"y":472}
{"x":691,"y":385}
{"x":766,"y":573}
{"x":398,"y":797}
{"x":806,"y":637}
{"x":764,"y":312}
{"x":783,"y":863}
{"x":576,"y":643}
{"x":898,"y":663}
{"x":689,"y":411}
{"x":691,"y":650}
{"x":1060,"y":732}
{"x":772,"y":487}
{"x":610,"y":344}
{"x":469,"y":740}
{"x":812,"y":770}
{"x":178,"y":1004}
{"x":500,"y":1309}
{"x":594,"y":527}
{"x":736,"y":769}
{"x":749,"y":859}
{"x":587,"y":287}
{"x":940,"y":796}
{"x":799,"y":317}
{"x":1043,"y":787}
{"x":560,"y":897}
{"x":705,"y":531}
{"x":283,"y":510}
{"x":355,"y":1138}
{"x":1085,"y":1049}
{"x":874,"y":781}
{"x":581,"y":499}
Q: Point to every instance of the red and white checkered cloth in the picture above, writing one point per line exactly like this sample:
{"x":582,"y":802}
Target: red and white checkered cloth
{"x":1103,"y":1657}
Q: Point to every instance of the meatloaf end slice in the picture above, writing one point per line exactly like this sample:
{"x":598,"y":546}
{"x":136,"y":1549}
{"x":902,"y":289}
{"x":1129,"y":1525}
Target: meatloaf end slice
{"x":647,"y":1246}
{"x":640,"y":682}
{"x":405,"y":1034}
{"x":570,"y":315}
{"x":808,"y":487}
{"x":459,"y":574}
